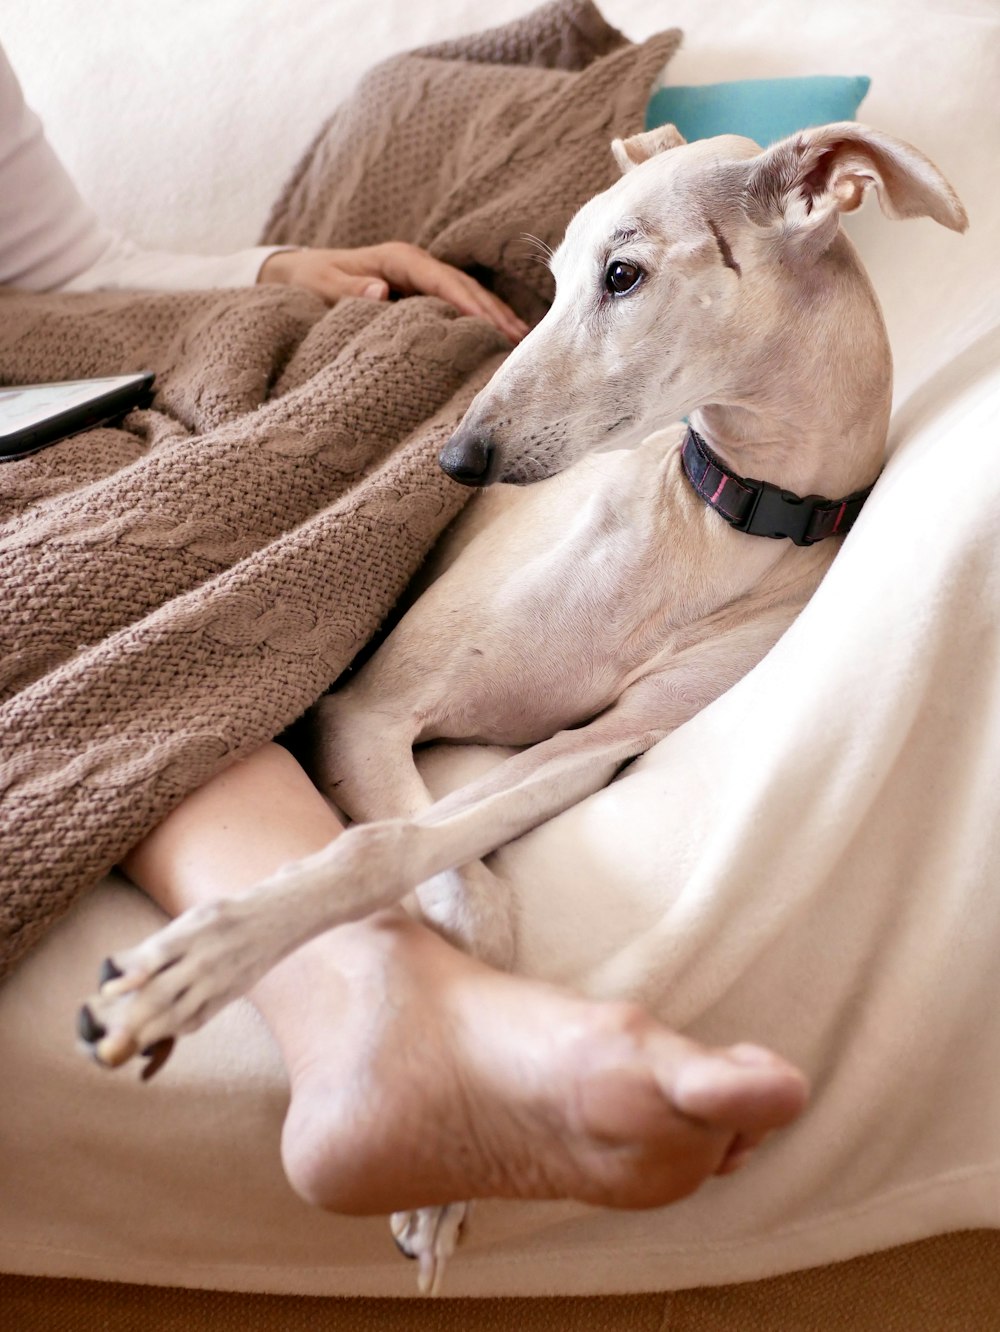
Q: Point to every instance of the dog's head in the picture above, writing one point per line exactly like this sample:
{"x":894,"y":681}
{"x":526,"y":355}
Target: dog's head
{"x":707,"y":270}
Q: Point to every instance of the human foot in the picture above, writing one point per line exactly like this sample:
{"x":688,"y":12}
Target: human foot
{"x":420,"y":1076}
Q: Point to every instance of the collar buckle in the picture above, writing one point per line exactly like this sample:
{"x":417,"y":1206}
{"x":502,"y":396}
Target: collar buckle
{"x":778,"y":513}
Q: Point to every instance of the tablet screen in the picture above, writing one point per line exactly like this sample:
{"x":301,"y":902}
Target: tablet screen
{"x":32,"y":416}
{"x":29,"y":405}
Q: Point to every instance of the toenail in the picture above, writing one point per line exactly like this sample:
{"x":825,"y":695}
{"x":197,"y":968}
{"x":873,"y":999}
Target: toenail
{"x":109,"y":971}
{"x":90,"y":1030}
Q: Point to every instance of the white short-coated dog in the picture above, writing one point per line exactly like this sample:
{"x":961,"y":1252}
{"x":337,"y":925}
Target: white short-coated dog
{"x":586,"y":617}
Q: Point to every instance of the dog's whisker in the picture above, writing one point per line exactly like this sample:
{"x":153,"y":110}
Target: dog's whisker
{"x":545,"y":250}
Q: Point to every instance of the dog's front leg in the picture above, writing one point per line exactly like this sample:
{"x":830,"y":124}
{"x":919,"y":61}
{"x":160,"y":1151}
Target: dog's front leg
{"x":363,"y":761}
{"x":174,"y":981}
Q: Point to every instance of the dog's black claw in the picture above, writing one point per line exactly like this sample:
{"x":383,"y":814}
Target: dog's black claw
{"x":89,"y":1028}
{"x":109,"y":971}
{"x":157,"y":1054}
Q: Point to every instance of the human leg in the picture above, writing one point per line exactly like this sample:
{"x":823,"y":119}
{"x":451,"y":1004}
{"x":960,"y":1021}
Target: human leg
{"x":419,"y":1075}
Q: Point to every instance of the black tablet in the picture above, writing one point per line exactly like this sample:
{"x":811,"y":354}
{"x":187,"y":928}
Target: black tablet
{"x":34,"y":415}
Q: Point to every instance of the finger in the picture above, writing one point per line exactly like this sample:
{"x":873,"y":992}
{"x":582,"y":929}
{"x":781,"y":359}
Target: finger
{"x":511,"y":320}
{"x":469,"y":296}
{"x":491,"y":307}
{"x":375,"y":290}
{"x":412,"y":270}
{"x":334,"y":285}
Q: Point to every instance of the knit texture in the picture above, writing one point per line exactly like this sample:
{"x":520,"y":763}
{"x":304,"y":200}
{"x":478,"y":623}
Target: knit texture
{"x":179,"y":590}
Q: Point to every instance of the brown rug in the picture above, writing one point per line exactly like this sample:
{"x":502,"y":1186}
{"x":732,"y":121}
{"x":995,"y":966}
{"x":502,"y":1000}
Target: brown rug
{"x":947,"y":1284}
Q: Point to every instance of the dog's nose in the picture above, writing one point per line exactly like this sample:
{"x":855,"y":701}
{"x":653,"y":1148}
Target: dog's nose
{"x":468,"y":458}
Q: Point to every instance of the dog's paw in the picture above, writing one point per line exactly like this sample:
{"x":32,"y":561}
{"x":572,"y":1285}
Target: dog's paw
{"x":171,"y":984}
{"x":430,"y":1235}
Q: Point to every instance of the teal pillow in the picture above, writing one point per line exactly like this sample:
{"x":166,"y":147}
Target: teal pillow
{"x":761,"y":109}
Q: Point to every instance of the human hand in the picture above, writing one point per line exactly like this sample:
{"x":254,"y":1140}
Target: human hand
{"x":372,"y":271}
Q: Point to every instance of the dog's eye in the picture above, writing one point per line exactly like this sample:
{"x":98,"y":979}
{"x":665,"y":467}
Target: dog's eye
{"x":622,"y":277}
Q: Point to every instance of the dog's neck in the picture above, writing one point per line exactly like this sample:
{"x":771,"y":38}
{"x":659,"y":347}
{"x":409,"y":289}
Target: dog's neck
{"x":812,"y":414}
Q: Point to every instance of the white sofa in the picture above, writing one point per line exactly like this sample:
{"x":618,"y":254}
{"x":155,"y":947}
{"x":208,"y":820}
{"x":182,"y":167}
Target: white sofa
{"x":811,"y":863}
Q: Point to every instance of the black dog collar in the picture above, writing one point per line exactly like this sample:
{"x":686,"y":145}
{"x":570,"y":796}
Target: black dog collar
{"x":760,"y":509}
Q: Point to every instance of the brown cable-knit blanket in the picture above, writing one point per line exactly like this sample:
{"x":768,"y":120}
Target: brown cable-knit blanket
{"x":178,"y":590}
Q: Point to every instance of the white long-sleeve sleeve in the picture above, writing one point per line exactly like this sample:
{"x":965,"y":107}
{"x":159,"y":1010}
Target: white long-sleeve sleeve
{"x":51,"y":240}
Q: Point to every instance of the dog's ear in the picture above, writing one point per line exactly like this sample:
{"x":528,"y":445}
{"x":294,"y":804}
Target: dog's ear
{"x":640,"y":148}
{"x":802,"y":184}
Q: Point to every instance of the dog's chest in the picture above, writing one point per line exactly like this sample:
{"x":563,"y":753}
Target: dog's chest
{"x":556,"y":608}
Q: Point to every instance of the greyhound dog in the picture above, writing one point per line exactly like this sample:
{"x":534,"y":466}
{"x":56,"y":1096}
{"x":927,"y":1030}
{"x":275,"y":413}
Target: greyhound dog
{"x":586,"y":617}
